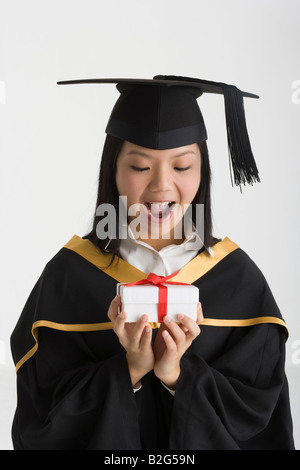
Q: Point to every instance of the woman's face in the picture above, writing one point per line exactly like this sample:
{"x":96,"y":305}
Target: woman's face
{"x":160,"y":183}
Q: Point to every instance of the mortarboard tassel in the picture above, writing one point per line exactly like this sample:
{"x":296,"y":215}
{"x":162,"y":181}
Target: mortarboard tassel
{"x":243,"y":167}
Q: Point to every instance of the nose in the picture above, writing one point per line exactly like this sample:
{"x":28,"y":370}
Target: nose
{"x":161,"y":180}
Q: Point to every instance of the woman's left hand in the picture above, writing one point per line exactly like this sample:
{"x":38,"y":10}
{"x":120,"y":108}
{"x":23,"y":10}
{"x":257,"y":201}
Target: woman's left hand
{"x":171,"y":342}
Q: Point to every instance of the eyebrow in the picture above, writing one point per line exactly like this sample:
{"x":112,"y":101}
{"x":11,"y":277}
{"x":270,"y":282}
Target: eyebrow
{"x":142,"y":154}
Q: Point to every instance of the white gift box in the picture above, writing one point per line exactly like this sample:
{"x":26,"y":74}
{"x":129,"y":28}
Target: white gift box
{"x":139,"y":299}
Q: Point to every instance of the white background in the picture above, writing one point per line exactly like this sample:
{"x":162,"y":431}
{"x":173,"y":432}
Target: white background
{"x":52,"y":137}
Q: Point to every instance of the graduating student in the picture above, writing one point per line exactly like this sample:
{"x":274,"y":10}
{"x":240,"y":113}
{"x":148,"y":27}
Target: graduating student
{"x":87,"y":378}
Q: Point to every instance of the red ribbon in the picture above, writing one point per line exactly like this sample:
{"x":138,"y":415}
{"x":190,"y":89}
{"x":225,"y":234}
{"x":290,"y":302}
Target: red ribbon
{"x":159,"y":281}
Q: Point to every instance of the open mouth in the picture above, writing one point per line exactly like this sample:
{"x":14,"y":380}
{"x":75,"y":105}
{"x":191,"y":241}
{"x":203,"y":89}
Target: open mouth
{"x":159,"y":210}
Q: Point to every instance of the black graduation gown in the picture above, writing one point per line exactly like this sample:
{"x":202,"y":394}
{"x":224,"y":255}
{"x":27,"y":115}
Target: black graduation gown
{"x":73,"y":385}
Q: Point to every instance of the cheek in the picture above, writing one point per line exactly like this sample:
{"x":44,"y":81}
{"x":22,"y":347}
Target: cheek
{"x":189,"y":186}
{"x":128,"y":184}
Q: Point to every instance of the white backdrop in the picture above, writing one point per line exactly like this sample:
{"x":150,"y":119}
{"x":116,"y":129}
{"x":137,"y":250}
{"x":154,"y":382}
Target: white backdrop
{"x":52,"y":137}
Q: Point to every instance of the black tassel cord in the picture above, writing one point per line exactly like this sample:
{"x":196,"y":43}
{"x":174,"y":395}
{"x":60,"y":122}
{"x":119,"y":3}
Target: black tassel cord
{"x":243,"y":168}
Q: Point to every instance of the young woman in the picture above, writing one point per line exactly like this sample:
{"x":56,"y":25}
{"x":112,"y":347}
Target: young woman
{"x":87,"y":378}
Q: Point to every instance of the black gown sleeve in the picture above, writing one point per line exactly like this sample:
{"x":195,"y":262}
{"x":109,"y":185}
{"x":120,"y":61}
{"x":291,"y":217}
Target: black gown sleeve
{"x":238,"y":401}
{"x":73,"y":387}
{"x":90,"y":406}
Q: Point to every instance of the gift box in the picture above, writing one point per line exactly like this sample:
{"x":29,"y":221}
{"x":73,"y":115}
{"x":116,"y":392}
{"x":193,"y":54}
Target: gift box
{"x":157,"y":299}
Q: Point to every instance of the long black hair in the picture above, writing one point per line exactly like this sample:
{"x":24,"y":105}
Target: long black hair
{"x":108,"y":194}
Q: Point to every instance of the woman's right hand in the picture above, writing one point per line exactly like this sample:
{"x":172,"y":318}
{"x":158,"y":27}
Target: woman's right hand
{"x":136,"y":339}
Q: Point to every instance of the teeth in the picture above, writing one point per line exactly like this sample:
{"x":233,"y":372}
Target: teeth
{"x":165,"y":203}
{"x":158,"y":208}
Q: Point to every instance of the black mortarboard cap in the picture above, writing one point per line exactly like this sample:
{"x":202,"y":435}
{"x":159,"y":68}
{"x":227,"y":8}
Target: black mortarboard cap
{"x":163,"y":113}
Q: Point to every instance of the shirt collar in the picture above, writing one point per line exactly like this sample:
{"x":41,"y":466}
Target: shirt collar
{"x":192,"y":240}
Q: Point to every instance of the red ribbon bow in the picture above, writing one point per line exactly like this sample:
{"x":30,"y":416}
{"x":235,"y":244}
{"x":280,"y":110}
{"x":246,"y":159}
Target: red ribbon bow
{"x":159,"y":281}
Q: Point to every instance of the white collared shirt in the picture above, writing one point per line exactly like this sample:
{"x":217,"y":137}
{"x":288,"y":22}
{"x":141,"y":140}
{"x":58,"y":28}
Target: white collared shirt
{"x":163,"y":262}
